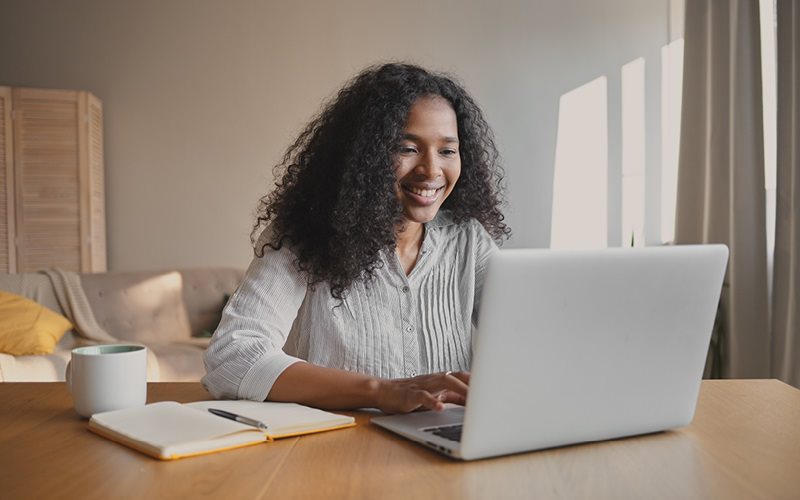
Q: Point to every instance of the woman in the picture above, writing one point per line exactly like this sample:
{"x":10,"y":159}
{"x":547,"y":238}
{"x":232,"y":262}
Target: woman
{"x":371,"y":254}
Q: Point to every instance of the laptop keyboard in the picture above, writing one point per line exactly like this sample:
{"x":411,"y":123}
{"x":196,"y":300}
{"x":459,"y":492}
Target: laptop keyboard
{"x":451,"y":432}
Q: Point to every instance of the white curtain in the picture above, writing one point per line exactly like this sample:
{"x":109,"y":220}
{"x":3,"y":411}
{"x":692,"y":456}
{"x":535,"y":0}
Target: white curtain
{"x":786,"y":283}
{"x":721,"y":195}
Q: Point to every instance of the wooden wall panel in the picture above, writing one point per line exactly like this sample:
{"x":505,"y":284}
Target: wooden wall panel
{"x":97,"y":200}
{"x":52,"y":193}
{"x":7,"y":222}
{"x":47,"y":179}
{"x":92,"y":184}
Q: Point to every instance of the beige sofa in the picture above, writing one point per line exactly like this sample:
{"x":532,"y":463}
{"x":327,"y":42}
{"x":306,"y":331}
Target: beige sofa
{"x":166,"y":311}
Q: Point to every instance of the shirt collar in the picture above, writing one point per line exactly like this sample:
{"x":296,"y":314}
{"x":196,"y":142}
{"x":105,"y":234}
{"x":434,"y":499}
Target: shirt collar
{"x":443,"y":218}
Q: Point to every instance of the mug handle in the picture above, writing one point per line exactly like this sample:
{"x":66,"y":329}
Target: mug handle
{"x":68,"y":375}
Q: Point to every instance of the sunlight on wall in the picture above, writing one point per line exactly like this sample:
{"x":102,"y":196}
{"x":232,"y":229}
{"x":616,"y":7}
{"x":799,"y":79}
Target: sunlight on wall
{"x":769,"y":91}
{"x":580,"y":217}
{"x":633,"y":153}
{"x":640,"y":170}
{"x":580,"y":181}
{"x":769,"y":97}
{"x":671,"y":95}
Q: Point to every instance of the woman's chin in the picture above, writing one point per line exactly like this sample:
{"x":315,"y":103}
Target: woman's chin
{"x":421,"y":216}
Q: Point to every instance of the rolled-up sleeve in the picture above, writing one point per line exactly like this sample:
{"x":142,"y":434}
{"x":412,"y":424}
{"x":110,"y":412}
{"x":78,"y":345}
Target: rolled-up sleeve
{"x":245,"y":355}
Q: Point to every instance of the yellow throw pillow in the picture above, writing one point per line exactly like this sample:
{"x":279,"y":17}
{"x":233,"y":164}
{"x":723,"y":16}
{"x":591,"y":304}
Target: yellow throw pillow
{"x":27,"y":327}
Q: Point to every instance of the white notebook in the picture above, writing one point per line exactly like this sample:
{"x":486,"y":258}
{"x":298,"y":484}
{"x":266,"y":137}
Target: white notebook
{"x":170,"y":430}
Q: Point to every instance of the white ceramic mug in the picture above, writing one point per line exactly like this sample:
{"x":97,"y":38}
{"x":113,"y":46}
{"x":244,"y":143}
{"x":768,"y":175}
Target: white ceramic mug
{"x":107,"y":377}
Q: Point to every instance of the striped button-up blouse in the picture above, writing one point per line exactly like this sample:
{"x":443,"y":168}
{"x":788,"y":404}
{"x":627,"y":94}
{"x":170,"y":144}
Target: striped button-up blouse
{"x":392,"y":326}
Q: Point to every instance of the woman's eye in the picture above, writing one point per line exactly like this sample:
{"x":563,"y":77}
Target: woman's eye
{"x":407,"y":150}
{"x":449,"y":152}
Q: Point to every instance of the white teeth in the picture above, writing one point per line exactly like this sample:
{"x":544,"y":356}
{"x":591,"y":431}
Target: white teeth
{"x":427,"y":193}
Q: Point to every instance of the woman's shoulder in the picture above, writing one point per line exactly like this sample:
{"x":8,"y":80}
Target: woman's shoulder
{"x":461,"y":239}
{"x":458,"y":235}
{"x":444,"y":222}
{"x":273,"y":254}
{"x":271,"y":240}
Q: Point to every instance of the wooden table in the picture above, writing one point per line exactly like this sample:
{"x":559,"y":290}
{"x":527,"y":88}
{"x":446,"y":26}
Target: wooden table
{"x":744,"y":443}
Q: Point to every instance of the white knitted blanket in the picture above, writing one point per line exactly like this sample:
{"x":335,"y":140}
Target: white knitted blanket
{"x":69,"y":292}
{"x":75,"y":306}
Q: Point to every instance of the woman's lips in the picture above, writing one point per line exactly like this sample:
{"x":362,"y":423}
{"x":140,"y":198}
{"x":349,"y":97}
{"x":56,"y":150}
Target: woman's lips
{"x":422,"y":196}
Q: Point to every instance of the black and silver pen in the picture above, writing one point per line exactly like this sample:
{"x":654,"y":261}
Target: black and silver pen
{"x":239,"y":418}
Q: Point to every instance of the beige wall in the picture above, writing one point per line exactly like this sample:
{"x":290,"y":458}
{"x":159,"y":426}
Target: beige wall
{"x":201,"y":97}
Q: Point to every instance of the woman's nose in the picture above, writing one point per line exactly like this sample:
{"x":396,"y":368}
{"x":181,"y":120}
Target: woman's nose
{"x":429,"y":165}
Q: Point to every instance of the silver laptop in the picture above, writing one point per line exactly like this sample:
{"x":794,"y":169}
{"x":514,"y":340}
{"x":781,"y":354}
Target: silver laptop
{"x":580,"y":346}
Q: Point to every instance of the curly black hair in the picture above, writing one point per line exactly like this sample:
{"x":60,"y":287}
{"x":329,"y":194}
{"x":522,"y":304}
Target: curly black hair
{"x":335,"y":202}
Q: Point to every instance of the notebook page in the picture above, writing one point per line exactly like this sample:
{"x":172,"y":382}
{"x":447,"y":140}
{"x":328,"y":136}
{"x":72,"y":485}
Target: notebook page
{"x":166,"y":424}
{"x":281,"y":418}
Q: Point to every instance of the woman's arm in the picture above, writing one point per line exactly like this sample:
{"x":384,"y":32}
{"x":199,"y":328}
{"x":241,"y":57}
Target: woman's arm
{"x":245,"y":355}
{"x":245,"y":359}
{"x":334,"y":389}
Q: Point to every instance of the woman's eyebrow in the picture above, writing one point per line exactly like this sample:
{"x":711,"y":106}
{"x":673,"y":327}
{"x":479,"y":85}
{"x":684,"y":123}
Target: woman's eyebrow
{"x":413,"y":137}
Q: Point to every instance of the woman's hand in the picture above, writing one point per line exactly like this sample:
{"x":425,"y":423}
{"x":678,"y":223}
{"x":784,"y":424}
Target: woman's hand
{"x":424,"y":391}
{"x":334,"y":389}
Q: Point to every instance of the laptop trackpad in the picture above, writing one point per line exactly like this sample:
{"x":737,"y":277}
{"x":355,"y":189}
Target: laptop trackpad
{"x":452,"y":414}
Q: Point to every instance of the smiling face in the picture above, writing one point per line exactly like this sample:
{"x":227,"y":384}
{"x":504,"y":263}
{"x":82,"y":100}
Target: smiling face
{"x":428,"y":159}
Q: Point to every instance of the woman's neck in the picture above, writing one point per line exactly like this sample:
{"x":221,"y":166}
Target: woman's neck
{"x":409,"y":241}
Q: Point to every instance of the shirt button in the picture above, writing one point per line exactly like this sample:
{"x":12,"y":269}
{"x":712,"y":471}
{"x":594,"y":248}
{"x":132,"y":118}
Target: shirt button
{"x":405,"y":289}
{"x":413,"y":374}
{"x":409,"y":328}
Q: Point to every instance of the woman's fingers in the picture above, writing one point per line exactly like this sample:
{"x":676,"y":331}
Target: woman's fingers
{"x":450,"y":381}
{"x":462,"y":376}
{"x":444,"y":388}
{"x":451,"y":397}
{"x":450,"y":387}
{"x":425,"y":391}
{"x":429,"y":401}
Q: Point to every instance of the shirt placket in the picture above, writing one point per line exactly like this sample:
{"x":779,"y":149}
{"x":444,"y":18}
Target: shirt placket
{"x":409,"y":330}
{"x":408,"y":312}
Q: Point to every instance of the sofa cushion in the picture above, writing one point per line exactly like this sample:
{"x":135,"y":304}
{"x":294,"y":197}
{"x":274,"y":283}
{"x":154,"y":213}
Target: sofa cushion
{"x":159,"y":306}
{"x":46,"y":368}
{"x":139,"y":306}
{"x":132,"y":306}
{"x":204,"y":292}
{"x":27,"y":327}
{"x":36,"y":287}
{"x":180,"y":361}
{"x":52,"y":367}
